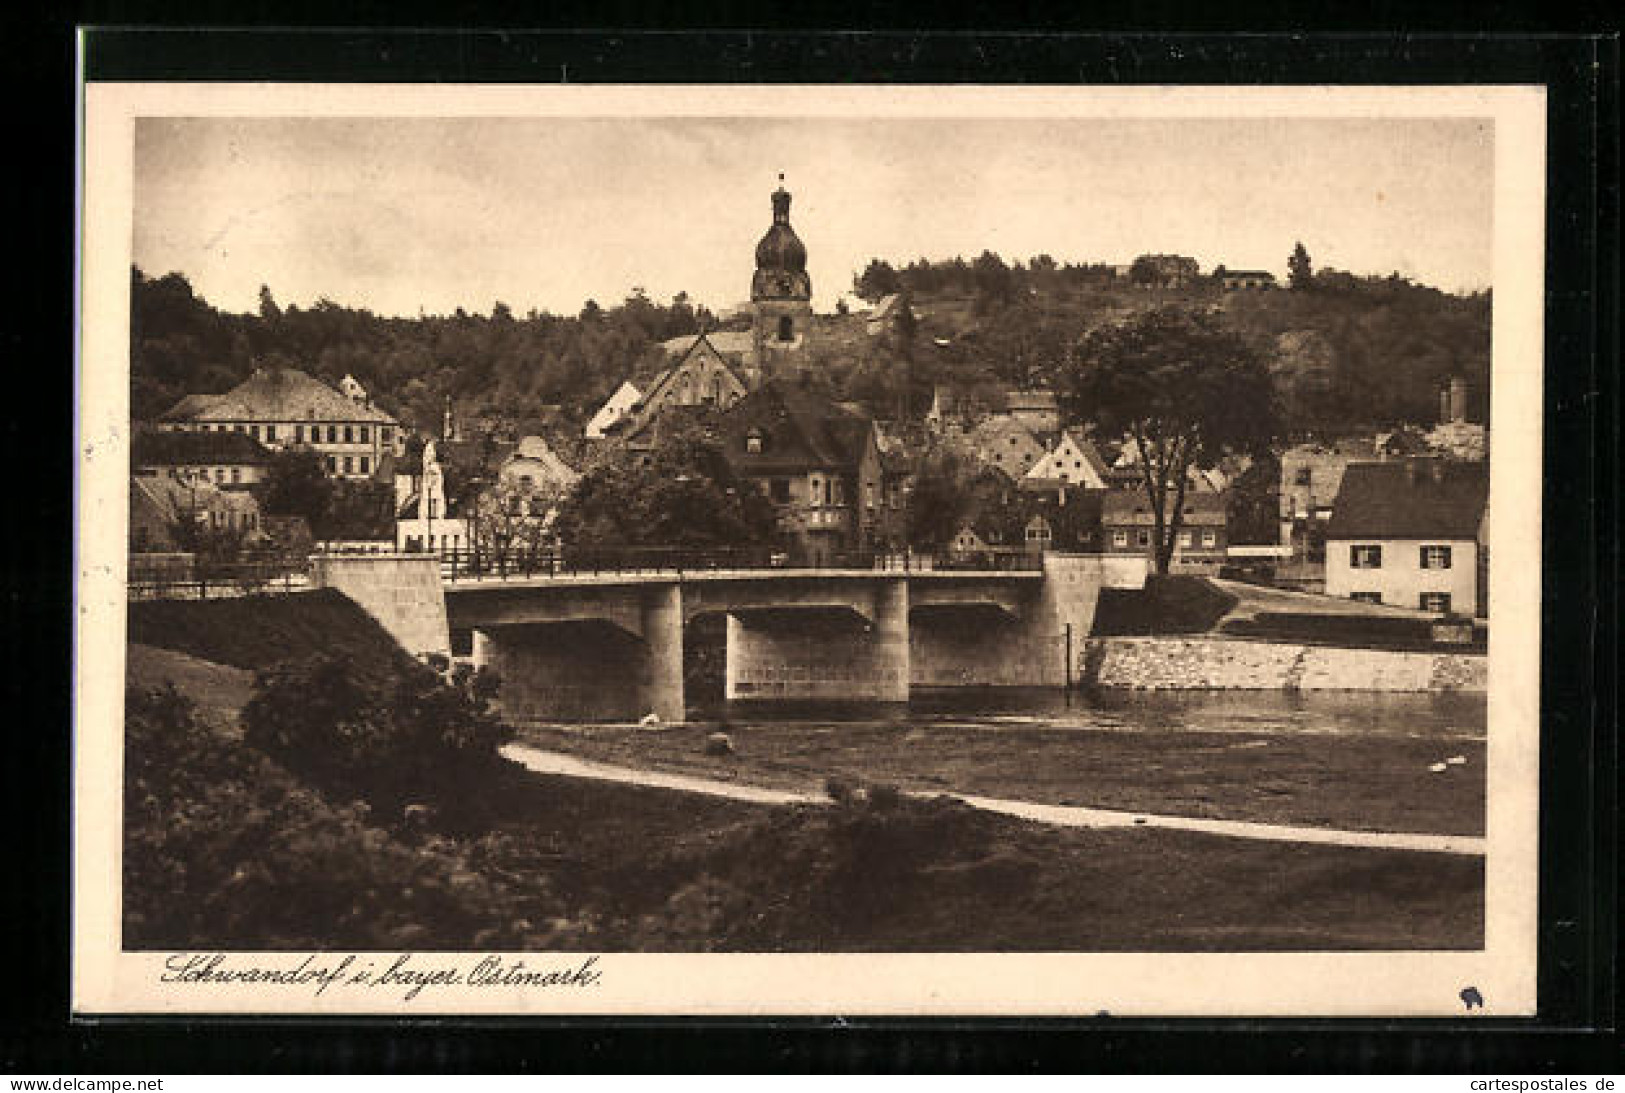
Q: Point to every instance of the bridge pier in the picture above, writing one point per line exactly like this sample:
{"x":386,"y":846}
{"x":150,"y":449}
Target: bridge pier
{"x":803,"y":656}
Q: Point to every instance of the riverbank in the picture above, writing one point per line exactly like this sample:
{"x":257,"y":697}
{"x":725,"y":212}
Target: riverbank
{"x":1222,"y":757}
{"x":1218,"y":664}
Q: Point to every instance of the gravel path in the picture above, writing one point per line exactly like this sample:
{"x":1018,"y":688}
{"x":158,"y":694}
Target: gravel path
{"x":552,"y":762}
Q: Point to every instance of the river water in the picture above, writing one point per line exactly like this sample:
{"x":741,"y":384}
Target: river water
{"x":1442,"y":716}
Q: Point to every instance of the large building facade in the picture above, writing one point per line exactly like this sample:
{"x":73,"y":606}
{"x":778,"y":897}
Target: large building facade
{"x":286,"y":408}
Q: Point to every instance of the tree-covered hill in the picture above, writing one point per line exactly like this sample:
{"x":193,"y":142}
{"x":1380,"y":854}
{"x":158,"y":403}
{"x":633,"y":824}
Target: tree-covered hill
{"x":1346,"y":351}
{"x":491,"y":366}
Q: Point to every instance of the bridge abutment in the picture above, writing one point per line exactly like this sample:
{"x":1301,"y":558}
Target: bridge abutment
{"x":402,"y":591}
{"x":982,"y":645}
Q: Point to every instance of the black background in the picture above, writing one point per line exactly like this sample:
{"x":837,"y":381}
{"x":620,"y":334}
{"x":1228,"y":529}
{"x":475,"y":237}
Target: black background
{"x":1578,"y":896}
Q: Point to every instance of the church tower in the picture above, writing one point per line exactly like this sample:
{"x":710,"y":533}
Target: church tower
{"x":780,"y":290}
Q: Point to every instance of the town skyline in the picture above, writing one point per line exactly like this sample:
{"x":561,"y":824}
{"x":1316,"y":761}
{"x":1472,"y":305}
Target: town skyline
{"x":402,"y":216}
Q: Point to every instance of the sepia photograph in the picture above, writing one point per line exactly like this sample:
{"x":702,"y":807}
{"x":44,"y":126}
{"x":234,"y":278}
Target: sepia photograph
{"x":897,"y":550}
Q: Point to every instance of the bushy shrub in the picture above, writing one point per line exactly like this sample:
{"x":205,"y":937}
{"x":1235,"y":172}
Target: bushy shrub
{"x":416,"y":736}
{"x":224,"y":848}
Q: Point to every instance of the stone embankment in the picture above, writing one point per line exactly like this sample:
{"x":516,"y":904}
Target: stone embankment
{"x":1217,"y":664}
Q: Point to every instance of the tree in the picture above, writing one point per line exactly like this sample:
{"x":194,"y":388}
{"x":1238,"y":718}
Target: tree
{"x":296,"y":484}
{"x":1299,"y":273}
{"x":268,"y":309}
{"x":878,"y":279}
{"x":1185,"y":389}
{"x":684,"y":495}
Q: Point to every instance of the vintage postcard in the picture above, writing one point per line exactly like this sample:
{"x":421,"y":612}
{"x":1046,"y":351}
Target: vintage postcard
{"x":808,"y":550}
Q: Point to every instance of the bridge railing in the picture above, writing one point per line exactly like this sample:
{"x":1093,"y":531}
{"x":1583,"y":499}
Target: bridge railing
{"x":474,"y":565}
{"x":200,"y":579}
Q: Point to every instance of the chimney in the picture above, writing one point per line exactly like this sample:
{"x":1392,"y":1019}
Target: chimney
{"x":1458,"y":399}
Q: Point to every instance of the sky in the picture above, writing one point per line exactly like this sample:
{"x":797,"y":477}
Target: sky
{"x":402,"y":215}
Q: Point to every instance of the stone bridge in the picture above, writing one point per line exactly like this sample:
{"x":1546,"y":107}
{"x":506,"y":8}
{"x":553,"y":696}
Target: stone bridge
{"x":610,"y":646}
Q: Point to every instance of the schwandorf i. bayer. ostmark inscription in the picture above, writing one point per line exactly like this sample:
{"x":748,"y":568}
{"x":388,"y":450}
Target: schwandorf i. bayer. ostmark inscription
{"x":409,"y":974}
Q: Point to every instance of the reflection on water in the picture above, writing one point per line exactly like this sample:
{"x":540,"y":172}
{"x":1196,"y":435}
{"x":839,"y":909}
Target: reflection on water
{"x":1364,"y":713}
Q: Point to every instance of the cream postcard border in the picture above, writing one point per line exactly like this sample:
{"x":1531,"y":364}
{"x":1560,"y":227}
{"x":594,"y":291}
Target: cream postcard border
{"x":107,"y":980}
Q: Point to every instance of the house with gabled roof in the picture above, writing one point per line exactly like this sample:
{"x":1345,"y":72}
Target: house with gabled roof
{"x":1128,"y":526}
{"x":1411,"y":533}
{"x":1073,"y":462}
{"x":225,"y":460}
{"x":616,"y":407}
{"x":817,"y":461}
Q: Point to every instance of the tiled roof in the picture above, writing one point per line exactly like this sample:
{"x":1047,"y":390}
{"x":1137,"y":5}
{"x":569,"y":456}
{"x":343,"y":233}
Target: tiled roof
{"x":1123,"y":507}
{"x":800,"y":431}
{"x":151,"y":448}
{"x":1249,"y":273}
{"x":1410,"y":499}
{"x":277,"y":394}
{"x":1030,"y":400}
{"x":725,"y":342}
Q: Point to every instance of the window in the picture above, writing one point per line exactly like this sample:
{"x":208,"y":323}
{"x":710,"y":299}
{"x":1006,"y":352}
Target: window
{"x":363,"y":434}
{"x":1365,"y":556}
{"x":1437,"y":602}
{"x":1301,"y":478}
{"x":1210,"y":538}
{"x":1436,"y":557}
{"x":332,"y":434}
{"x":753,"y":442}
{"x":1366,"y":597}
{"x":332,"y":465}
{"x":236,"y":474}
{"x":364,"y":465}
{"x":779,"y":490}
{"x":270,"y":432}
{"x":1185,"y":539}
{"x":1120,"y":538}
{"x":389,"y":433}
{"x":349,"y":435}
{"x":298,"y":434}
{"x":220,"y":474}
{"x":1038,"y":531}
{"x":1142,"y":537}
{"x":786,"y":328}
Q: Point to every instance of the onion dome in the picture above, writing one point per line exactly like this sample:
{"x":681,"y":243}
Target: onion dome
{"x":780,"y":248}
{"x":781,"y":257}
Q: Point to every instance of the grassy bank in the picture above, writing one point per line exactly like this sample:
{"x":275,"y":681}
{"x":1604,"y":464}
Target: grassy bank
{"x":257,"y":631}
{"x":1375,"y":783}
{"x":1173,"y":604}
{"x":227,"y":848}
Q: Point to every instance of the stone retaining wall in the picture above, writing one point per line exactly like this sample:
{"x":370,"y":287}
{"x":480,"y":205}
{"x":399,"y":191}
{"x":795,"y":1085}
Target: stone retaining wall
{"x":1207,"y":664}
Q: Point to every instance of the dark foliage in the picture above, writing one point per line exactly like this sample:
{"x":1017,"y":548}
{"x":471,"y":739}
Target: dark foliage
{"x":686,"y":495}
{"x":224,"y":848}
{"x":418,"y":738}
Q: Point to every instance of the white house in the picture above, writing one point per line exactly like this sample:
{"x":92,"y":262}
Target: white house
{"x":424,"y":521}
{"x":614,"y":408}
{"x":1410,"y":534}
